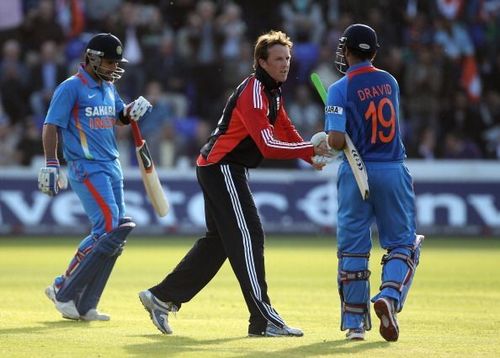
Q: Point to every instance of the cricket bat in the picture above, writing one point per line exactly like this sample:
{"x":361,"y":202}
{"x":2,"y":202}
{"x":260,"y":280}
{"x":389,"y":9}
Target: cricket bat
{"x":148,"y":172}
{"x":355,"y":161}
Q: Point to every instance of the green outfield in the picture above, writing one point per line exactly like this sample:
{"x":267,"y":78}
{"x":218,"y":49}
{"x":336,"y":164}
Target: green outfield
{"x":453,"y":309}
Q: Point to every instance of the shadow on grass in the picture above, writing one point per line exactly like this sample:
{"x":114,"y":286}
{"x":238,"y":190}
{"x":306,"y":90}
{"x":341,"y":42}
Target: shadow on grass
{"x":47,"y":325}
{"x":341,"y":346}
{"x":176,"y":345}
{"x":180,"y":346}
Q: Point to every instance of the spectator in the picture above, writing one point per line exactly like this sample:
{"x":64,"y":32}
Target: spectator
{"x":453,"y":38}
{"x":490,"y":115}
{"x":11,"y":18}
{"x":324,"y":68}
{"x":30,"y":145}
{"x":40,"y":26}
{"x":462,"y":117}
{"x":198,"y":49}
{"x":418,"y":34}
{"x":235,"y":71}
{"x":422,"y":89}
{"x":157,"y":129}
{"x":305,"y":58}
{"x":71,"y":17}
{"x":45,"y":76}
{"x":11,"y":61}
{"x":303,"y":18}
{"x":130,"y":28}
{"x":177,"y":12}
{"x":13,"y":83}
{"x":153,"y":31}
{"x":206,"y":44}
{"x":233,"y":29}
{"x":8,"y":140}
{"x":166,"y":65}
{"x":98,"y":12}
{"x":307,"y":114}
{"x":425,"y":145}
{"x":457,"y":146}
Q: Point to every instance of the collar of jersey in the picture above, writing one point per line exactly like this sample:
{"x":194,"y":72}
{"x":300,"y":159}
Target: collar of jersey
{"x":90,"y":81}
{"x":359,"y":65}
{"x":266,"y":80}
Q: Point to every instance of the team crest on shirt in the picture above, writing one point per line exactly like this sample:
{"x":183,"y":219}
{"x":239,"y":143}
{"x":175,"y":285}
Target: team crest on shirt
{"x":334,"y":110}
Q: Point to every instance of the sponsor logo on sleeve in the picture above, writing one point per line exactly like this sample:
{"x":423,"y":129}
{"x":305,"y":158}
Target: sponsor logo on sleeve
{"x":334,"y":110}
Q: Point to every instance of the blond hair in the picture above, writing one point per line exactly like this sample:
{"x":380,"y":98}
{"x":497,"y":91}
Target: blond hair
{"x":267,"y":40}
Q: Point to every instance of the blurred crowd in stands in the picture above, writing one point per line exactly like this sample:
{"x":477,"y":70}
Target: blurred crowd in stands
{"x":186,"y":55}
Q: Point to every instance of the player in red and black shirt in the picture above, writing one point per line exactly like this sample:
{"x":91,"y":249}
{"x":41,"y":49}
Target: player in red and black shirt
{"x":254,"y":125}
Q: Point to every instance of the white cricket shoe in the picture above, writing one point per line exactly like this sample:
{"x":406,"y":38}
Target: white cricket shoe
{"x":355,"y":334}
{"x":275,"y":331}
{"x":158,"y":310}
{"x":68,"y":309}
{"x":94,"y":315}
{"x":50,"y":292}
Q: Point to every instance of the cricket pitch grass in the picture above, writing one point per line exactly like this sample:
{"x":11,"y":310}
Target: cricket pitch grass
{"x":453,"y":309}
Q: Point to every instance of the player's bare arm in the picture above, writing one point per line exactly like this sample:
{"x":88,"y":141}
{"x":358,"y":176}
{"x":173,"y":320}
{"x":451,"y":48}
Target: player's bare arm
{"x":50,"y":139}
{"x":336,"y":140}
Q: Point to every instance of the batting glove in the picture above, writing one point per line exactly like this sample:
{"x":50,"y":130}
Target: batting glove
{"x":51,"y":179}
{"x":138,"y":108}
{"x":322,"y":159}
{"x":333,"y":154}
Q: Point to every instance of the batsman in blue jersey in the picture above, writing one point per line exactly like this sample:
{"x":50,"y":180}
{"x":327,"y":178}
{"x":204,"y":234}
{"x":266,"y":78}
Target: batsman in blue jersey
{"x":83,"y":112}
{"x":365,"y":105}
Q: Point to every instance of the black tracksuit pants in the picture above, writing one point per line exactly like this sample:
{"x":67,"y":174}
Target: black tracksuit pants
{"x":234,"y":231}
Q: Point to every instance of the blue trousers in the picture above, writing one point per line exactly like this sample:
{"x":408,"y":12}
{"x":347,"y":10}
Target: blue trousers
{"x":391,"y":206}
{"x":99,"y":186}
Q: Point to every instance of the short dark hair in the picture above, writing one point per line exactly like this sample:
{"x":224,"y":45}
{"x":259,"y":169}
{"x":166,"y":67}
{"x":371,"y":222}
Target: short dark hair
{"x":267,"y":40}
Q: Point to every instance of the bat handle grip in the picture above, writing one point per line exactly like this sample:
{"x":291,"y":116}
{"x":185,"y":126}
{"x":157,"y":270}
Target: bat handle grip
{"x":136,"y":133}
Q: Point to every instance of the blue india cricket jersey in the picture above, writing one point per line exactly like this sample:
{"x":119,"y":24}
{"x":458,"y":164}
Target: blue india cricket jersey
{"x":86,"y":113}
{"x":365,"y":104}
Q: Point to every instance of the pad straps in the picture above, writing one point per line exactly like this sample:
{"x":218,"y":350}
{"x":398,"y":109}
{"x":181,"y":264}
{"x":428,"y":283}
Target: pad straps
{"x":346,"y":254}
{"x":346,"y":276}
{"x":398,"y":256}
{"x":354,"y":308}
{"x":411,"y":268}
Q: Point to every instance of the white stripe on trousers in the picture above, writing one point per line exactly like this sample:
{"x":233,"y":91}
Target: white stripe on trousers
{"x":247,"y":244}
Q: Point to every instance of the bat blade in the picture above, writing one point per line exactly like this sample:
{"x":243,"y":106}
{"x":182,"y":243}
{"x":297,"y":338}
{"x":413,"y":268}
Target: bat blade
{"x":151,"y":181}
{"x":149,"y":175}
{"x":358,"y":167}
{"x":355,"y":161}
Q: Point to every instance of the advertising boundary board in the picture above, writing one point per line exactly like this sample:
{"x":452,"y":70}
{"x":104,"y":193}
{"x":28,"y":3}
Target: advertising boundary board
{"x":452,"y":198}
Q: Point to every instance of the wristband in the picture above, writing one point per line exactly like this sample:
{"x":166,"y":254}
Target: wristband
{"x":53,"y":162}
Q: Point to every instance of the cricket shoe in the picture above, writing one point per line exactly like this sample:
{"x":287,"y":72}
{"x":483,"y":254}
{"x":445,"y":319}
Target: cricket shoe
{"x":384,"y":308}
{"x":94,"y":315}
{"x":355,"y":334}
{"x":158,"y":310}
{"x":51,"y":292}
{"x":67,"y":309}
{"x":275,"y":331}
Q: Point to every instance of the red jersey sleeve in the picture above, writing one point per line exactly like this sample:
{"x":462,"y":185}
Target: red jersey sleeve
{"x":253,"y":107}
